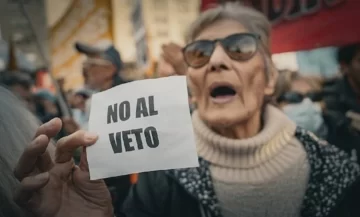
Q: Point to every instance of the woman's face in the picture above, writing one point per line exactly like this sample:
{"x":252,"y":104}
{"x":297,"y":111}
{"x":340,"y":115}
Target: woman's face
{"x":247,"y":80}
{"x":300,"y":89}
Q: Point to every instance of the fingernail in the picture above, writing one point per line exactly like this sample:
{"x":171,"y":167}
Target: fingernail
{"x":90,"y":137}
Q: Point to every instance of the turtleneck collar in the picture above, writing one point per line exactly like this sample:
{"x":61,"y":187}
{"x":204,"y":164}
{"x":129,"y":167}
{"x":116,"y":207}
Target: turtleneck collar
{"x":273,"y":145}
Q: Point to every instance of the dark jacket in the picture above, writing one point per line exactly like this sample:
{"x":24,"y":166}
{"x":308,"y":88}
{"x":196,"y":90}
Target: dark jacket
{"x":332,"y":189}
{"x":339,"y":98}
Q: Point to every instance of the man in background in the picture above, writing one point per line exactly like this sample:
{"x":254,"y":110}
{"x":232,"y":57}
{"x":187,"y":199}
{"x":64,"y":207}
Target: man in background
{"x":102,"y":70}
{"x":347,"y":88}
{"x":342,"y":101}
{"x":102,"y":67}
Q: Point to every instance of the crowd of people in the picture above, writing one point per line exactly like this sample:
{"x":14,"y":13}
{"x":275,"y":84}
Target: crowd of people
{"x":270,"y":142}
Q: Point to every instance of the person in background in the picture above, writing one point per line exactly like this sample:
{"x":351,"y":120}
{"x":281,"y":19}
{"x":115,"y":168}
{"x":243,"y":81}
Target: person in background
{"x":342,"y":105}
{"x":47,"y":107}
{"x":253,"y":160}
{"x":20,"y":84}
{"x":17,"y":126}
{"x":300,"y":97}
{"x":347,"y":88}
{"x":79,"y":100}
{"x":61,"y":84}
{"x":102,"y":67}
{"x":69,"y":95}
{"x":102,"y":70}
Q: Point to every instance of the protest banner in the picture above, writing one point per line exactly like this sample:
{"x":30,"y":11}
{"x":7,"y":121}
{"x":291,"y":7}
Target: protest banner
{"x":142,"y":126}
{"x":306,"y":24}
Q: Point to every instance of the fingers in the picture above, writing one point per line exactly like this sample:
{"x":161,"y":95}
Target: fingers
{"x":28,"y":159}
{"x":36,"y":154}
{"x":50,"y":129}
{"x":168,"y":59}
{"x":175,"y":47}
{"x":171,"y":46}
{"x":81,"y":176}
{"x":44,"y":162}
{"x":83,"y":165}
{"x":67,"y":145}
{"x":29,"y":186}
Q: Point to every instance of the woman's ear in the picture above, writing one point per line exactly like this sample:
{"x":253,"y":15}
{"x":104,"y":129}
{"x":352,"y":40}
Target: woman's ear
{"x":272,"y":79}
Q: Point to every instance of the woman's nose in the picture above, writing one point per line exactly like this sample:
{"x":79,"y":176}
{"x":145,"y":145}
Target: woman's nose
{"x":219,"y":60}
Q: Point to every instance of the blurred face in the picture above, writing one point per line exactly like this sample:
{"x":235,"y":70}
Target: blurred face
{"x":99,"y":72}
{"x":50,"y":107}
{"x":230,"y":87}
{"x":354,"y":69}
{"x":79,"y":102}
{"x":299,"y":90}
{"x":302,"y":104}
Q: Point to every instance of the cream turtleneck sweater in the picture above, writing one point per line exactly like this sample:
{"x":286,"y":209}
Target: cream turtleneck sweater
{"x":265,"y":175}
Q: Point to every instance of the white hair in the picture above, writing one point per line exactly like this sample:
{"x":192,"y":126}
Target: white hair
{"x":17,"y":128}
{"x":254,"y":21}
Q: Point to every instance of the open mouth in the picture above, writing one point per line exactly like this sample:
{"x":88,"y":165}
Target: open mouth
{"x":222,"y":93}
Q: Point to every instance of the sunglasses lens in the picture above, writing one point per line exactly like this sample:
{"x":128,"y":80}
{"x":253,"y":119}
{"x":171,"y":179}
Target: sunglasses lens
{"x":315,"y":96}
{"x":240,"y":47}
{"x":198,"y":53}
{"x":293,"y":97}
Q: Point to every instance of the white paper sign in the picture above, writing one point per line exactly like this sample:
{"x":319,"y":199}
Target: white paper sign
{"x":142,"y":126}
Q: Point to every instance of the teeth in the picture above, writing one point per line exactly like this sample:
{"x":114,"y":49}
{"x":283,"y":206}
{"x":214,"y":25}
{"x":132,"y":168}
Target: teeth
{"x":222,"y":99}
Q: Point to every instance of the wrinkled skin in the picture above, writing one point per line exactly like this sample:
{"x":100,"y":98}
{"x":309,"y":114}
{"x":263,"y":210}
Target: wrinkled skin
{"x":51,"y":185}
{"x":239,"y":118}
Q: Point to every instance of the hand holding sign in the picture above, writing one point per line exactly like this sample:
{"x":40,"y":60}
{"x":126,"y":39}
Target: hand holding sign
{"x":142,"y":126}
{"x":51,"y":185}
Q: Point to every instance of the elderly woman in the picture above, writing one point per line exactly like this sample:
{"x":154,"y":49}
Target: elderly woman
{"x":254,"y":161}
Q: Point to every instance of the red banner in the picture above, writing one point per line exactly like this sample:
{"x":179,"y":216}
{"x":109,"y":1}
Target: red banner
{"x":308,"y":24}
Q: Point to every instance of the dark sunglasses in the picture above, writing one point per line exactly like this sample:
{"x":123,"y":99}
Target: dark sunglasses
{"x":240,"y":47}
{"x":295,"y":97}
